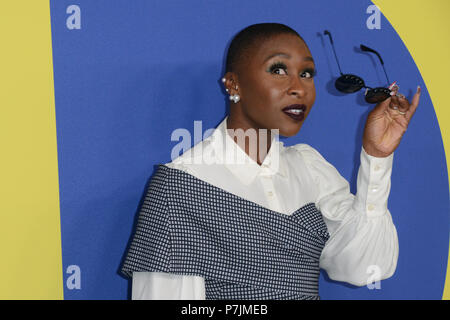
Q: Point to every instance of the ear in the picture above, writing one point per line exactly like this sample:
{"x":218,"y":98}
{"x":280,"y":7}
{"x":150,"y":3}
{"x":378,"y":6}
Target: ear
{"x":231,"y":83}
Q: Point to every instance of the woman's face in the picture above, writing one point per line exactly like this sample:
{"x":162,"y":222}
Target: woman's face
{"x":276,"y":75}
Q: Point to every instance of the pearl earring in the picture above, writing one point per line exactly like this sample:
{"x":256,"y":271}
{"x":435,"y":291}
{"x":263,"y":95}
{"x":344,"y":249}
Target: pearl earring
{"x":224,"y":80}
{"x":235,"y":98}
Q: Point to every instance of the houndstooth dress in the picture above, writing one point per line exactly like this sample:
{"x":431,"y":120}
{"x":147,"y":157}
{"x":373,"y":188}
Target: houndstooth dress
{"x":187,"y":226}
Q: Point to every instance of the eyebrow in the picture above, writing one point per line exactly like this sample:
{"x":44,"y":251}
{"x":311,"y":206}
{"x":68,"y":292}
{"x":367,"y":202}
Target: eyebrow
{"x":281,"y":54}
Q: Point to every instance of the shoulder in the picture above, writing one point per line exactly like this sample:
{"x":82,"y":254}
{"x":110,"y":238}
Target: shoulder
{"x":307,"y":152}
{"x":191,"y":157}
{"x":316,"y":164}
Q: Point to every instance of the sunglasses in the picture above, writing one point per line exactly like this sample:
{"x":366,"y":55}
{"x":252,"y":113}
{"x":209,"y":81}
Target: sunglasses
{"x":350,"y":83}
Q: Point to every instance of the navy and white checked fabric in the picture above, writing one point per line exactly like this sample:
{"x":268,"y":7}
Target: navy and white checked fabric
{"x":244,"y":251}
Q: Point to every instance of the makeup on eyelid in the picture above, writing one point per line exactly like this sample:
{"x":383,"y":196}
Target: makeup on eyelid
{"x":281,"y":65}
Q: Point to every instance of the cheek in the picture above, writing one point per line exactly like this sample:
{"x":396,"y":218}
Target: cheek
{"x":266,"y":92}
{"x":312,"y":93}
{"x":276,"y":92}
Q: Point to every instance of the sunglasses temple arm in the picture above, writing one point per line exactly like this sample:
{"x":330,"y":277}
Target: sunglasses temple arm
{"x":332,"y":45}
{"x":364,"y":48}
{"x":387,"y":78}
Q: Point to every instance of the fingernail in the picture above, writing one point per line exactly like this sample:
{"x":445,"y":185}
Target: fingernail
{"x":392,"y":85}
{"x":419,"y":89}
{"x":392,"y":93}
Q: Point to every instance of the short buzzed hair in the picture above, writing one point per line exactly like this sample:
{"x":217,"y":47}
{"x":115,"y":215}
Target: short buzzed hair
{"x":249,"y":36}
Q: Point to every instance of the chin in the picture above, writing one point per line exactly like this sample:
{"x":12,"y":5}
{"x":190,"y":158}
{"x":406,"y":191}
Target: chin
{"x":288,"y":127}
{"x":289,"y":132}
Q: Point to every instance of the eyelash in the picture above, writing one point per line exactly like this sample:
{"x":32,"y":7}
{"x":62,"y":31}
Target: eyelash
{"x":281,"y":65}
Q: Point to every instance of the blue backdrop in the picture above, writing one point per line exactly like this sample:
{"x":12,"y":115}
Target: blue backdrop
{"x":136,"y":71}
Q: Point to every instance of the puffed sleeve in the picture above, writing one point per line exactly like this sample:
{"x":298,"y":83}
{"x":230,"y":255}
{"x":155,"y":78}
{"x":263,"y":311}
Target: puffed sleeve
{"x":363,"y":238}
{"x":147,"y":260}
{"x":150,"y":246}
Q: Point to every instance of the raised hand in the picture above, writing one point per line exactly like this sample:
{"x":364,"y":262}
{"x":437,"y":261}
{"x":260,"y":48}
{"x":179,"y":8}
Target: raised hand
{"x":387,"y":123}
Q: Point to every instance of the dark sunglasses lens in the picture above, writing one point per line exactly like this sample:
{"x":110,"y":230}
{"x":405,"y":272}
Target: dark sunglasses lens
{"x":377,"y":95}
{"x":349,"y":83}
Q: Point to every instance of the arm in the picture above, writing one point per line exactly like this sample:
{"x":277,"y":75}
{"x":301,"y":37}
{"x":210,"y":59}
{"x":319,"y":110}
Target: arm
{"x":362,"y":233}
{"x":363,"y":237}
{"x":150,"y":251}
{"x":165,"y":286}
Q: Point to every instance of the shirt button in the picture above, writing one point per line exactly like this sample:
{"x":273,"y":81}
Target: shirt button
{"x":270,"y":193}
{"x":370,"y":207}
{"x":374,"y":189}
{"x":377,"y":167}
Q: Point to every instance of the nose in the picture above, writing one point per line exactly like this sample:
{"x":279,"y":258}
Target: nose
{"x":297,"y":88}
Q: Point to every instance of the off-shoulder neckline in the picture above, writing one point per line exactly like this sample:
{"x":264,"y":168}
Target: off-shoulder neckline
{"x":292,"y":214}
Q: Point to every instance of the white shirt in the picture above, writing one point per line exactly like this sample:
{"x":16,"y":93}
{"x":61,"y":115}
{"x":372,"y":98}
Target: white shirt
{"x":362,"y":234}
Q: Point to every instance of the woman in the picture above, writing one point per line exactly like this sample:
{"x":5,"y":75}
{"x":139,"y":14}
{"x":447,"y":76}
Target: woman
{"x":213,"y":227}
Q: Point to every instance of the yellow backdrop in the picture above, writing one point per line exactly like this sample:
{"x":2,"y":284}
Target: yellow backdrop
{"x":30,"y":230}
{"x":424,"y":27}
{"x":30,"y":236}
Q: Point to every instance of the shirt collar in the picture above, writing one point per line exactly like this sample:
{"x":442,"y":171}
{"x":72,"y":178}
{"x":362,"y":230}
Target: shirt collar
{"x":239,"y":163}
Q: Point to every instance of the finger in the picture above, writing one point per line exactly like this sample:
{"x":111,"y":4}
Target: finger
{"x":394,"y":103}
{"x":395,"y":109}
{"x":414,"y":104}
{"x":400,"y":95}
{"x":393,"y":86}
{"x":388,"y":103}
{"x":403,"y":104}
{"x":382,"y":106}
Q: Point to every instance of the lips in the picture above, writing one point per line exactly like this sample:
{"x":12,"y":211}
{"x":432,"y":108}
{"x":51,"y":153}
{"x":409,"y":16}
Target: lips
{"x":295,"y":111}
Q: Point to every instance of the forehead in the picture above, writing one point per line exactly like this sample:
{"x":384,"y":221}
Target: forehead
{"x":283,"y":43}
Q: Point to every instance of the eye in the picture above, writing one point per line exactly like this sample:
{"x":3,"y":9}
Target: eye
{"x":278,"y":68}
{"x":308,"y":73}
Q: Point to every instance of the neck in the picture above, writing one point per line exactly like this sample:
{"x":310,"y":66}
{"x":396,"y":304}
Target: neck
{"x":261,"y":144}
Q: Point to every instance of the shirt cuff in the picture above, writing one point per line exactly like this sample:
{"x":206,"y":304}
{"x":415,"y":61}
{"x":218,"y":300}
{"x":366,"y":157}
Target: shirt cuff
{"x":373,"y":184}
